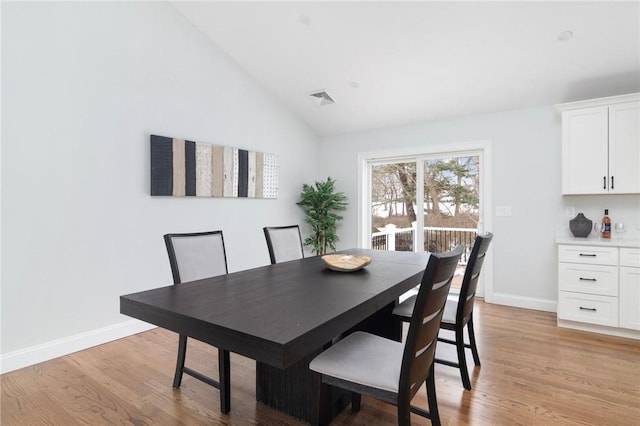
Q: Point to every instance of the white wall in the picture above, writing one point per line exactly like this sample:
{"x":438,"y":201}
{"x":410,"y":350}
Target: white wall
{"x":526,"y":175}
{"x":84,"y":85}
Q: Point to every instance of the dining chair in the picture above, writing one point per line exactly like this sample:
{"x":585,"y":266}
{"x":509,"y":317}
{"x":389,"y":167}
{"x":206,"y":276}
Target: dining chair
{"x":458,"y":315}
{"x":284,"y":243}
{"x":388,"y":370}
{"x":194,"y":256}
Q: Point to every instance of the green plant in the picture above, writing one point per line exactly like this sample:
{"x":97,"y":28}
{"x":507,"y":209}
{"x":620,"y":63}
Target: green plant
{"x":320,"y":204}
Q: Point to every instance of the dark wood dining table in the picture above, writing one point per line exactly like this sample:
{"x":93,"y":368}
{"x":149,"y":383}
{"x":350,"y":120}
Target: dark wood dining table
{"x":283,"y":315}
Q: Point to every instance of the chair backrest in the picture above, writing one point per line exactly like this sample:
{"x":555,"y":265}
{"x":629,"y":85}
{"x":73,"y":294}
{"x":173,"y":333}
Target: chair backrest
{"x":420,"y":346}
{"x":471,"y":276}
{"x":284,"y":243}
{"x":196,"y":255}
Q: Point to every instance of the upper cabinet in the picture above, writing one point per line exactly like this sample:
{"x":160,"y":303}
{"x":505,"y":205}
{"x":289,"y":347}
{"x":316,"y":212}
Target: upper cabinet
{"x":601,"y":146}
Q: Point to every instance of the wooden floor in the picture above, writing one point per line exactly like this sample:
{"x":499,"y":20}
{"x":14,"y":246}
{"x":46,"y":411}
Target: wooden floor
{"x":532,"y":374}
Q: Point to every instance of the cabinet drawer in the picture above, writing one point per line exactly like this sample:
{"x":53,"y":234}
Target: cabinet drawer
{"x":588,"y":308}
{"x":592,"y":279}
{"x":629,"y":257}
{"x":594,"y":255}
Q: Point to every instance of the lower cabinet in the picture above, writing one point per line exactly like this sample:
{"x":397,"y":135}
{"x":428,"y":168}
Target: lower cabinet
{"x":630,"y":288}
{"x":599,"y":289}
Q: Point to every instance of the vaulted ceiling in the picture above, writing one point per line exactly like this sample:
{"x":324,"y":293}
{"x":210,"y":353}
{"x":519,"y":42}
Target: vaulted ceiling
{"x":395,"y":63}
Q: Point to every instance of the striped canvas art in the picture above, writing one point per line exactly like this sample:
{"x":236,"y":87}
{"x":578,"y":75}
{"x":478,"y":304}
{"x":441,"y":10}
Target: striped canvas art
{"x":196,"y":169}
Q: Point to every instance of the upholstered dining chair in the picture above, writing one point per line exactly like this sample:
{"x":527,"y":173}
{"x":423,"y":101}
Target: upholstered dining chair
{"x":388,"y":370}
{"x":458,"y":315}
{"x":192,"y":257}
{"x":284,"y":243}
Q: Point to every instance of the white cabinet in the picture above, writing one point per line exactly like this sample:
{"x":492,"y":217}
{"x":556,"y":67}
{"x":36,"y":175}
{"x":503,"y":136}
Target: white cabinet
{"x":588,"y":284}
{"x":624,"y":148}
{"x":599,"y":288}
{"x":630,"y":288}
{"x":601,"y":146}
{"x":584,"y":150}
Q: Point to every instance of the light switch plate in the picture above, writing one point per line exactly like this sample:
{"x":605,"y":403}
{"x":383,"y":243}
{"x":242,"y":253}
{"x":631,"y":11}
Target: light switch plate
{"x":503,"y":211}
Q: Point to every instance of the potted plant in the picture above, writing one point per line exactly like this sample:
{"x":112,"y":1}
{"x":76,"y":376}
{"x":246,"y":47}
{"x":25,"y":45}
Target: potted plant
{"x":320,"y":203}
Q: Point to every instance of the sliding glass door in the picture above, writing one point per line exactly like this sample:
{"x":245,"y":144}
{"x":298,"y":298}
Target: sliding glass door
{"x":424,"y":203}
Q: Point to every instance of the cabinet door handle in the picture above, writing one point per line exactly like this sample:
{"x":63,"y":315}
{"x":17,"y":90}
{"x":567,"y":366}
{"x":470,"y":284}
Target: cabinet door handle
{"x":611,"y":182}
{"x":604,"y":182}
{"x":588,"y":279}
{"x":588,"y":255}
{"x":582,"y":308}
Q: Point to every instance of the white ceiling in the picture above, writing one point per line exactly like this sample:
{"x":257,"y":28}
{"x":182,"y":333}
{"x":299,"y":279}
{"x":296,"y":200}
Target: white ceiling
{"x":419,"y":61}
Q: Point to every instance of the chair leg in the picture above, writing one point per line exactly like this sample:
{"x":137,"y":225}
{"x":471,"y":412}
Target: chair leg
{"x":404,"y":413}
{"x":434,"y":415}
{"x":462,"y":361}
{"x":182,"y":352}
{"x":224,"y":371}
{"x":356,"y":399}
{"x":472,"y":341}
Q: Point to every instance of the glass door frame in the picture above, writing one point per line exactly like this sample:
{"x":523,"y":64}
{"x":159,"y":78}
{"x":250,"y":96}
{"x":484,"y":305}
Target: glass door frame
{"x":419,"y":154}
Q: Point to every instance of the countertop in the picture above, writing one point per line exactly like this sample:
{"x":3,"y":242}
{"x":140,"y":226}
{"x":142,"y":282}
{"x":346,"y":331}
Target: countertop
{"x":632,"y":242}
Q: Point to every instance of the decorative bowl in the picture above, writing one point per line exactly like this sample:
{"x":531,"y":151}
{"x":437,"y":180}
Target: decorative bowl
{"x":345,"y":262}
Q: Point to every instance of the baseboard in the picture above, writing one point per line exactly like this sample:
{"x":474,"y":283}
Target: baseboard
{"x":523,"y":302}
{"x":602,"y":329}
{"x":50,"y":350}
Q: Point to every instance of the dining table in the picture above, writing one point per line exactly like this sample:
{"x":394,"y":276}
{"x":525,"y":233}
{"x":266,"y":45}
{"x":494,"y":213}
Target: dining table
{"x":283,"y":315}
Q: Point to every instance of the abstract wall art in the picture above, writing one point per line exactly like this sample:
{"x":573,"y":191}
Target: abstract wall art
{"x":186,"y":168}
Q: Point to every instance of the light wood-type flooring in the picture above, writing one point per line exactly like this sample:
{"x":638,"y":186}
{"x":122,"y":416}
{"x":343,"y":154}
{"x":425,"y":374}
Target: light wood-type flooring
{"x":532,"y":373}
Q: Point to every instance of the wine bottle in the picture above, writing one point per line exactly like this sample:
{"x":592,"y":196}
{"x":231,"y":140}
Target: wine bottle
{"x":606,"y":225}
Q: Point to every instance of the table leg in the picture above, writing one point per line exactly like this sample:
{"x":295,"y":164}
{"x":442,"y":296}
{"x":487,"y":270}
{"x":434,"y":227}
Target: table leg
{"x":297,"y":391}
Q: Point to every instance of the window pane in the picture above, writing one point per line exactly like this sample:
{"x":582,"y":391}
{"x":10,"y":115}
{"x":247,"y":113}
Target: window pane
{"x":451,"y":206}
{"x":393,"y":208}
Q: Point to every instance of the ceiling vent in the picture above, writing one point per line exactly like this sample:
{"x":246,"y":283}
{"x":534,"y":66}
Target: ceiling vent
{"x":322,"y":98}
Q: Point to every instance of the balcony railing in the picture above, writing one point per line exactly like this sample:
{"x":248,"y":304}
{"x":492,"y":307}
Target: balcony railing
{"x":436,"y":240}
